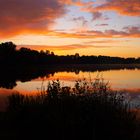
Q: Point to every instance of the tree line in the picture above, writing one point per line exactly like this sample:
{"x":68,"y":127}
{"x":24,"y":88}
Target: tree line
{"x":9,"y":54}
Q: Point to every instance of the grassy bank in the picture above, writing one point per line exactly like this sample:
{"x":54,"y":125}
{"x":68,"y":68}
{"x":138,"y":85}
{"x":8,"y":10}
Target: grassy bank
{"x":88,"y":111}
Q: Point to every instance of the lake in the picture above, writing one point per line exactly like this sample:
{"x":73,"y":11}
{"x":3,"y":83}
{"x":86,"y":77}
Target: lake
{"x":30,"y":80}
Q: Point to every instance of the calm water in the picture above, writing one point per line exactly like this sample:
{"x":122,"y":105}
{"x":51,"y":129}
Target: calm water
{"x":120,"y":79}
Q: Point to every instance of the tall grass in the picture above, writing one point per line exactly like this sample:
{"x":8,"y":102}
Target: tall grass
{"x":89,"y":110}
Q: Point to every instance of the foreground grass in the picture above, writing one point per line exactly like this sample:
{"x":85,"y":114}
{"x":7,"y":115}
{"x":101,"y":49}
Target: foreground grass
{"x":88,"y":111}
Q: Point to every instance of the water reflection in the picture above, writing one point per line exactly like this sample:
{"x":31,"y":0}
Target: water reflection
{"x":118,"y":79}
{"x":9,"y":76}
{"x":28,"y":80}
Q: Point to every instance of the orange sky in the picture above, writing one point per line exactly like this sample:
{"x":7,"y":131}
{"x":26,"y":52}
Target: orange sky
{"x":105,"y":27}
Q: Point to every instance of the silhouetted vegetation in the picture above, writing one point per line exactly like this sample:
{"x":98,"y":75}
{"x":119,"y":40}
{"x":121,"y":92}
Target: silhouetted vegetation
{"x":88,"y":111}
{"x":9,"y":55}
{"x":26,"y":64}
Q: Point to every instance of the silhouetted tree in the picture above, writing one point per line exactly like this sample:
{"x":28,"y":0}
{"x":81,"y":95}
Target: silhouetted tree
{"x":9,"y":55}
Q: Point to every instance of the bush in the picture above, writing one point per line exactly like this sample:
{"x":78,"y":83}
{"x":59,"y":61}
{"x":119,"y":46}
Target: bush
{"x":90,"y":110}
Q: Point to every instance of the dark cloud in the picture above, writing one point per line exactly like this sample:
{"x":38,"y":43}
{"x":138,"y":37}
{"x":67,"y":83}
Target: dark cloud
{"x":80,"y":19}
{"x":113,"y":32}
{"x":23,"y":16}
{"x":97,"y":15}
{"x":132,"y":29}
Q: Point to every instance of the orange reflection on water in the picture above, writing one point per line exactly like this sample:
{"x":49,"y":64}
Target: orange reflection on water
{"x":126,"y":80}
{"x":118,"y":79}
{"x":123,"y":78}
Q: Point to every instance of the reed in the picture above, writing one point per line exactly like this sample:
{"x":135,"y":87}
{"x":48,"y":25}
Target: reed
{"x":89,"y":110}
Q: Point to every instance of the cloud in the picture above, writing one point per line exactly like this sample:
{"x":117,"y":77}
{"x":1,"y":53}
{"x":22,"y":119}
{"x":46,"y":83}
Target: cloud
{"x":123,"y":7}
{"x":132,"y":29}
{"x":127,"y":32}
{"x":80,"y":19}
{"x":77,"y":2}
{"x":105,"y":41}
{"x":97,"y":15}
{"x":60,"y":48}
{"x":37,"y":16}
{"x":104,"y":24}
{"x":28,"y":16}
{"x":54,"y":48}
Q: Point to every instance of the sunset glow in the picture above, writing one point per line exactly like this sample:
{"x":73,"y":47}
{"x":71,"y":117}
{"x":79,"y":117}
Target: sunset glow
{"x":105,"y":27}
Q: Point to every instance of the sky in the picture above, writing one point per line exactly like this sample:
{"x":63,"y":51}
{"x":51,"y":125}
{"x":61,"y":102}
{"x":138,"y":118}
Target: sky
{"x":87,"y":27}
